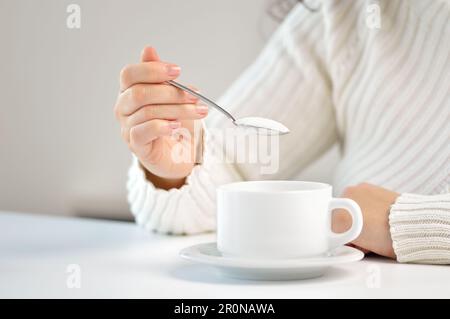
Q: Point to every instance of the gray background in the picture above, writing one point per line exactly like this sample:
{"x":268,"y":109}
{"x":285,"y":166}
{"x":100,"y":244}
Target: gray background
{"x":60,"y":148}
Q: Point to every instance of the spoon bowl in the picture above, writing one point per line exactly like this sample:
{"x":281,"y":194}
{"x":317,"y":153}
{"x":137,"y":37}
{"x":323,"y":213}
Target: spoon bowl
{"x":262,"y":125}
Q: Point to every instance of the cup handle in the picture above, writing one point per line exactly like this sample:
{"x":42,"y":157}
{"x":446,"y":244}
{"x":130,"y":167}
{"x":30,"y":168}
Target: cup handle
{"x":337,"y":240}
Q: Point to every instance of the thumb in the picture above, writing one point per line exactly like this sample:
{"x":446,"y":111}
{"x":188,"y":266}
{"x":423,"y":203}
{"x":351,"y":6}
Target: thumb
{"x":149,"y":54}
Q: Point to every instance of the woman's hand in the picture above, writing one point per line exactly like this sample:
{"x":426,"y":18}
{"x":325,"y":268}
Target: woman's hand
{"x":375,"y":204}
{"x":150,"y":111}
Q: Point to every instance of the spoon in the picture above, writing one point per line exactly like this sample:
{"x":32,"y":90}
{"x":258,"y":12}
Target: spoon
{"x":263,"y":125}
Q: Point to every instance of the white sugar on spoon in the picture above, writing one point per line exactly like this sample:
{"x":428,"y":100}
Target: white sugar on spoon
{"x":262,"y":125}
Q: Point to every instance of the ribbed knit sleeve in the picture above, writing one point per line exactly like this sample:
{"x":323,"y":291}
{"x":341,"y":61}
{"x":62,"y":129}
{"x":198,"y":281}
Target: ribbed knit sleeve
{"x":420,"y":228}
{"x":288,"y":83}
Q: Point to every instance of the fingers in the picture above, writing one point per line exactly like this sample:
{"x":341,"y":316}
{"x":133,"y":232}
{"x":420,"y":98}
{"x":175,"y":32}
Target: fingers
{"x":146,"y":132}
{"x":151,"y":70}
{"x":167,"y":112}
{"x":144,"y":94}
{"x":149,"y":108}
{"x":147,"y":72}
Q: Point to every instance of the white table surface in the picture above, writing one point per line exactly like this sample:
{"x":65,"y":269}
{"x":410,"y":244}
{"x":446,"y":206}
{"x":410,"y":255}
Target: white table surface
{"x":120,"y":260}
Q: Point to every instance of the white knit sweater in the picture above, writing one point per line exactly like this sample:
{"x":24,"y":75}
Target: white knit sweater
{"x":330,"y":76}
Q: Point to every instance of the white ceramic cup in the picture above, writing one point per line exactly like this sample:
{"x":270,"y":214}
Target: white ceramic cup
{"x":280,"y":219}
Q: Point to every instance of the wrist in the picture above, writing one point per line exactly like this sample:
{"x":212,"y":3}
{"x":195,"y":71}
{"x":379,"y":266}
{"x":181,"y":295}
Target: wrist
{"x":164,"y":183}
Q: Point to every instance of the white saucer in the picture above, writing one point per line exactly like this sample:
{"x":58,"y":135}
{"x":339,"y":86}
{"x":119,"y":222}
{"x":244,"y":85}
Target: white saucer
{"x":271,"y":269}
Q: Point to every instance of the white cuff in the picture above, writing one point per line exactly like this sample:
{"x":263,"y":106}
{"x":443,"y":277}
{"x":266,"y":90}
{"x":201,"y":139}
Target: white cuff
{"x":420,"y":228}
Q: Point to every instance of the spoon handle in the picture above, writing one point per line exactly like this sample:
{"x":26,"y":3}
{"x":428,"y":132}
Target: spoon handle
{"x":203,"y":98}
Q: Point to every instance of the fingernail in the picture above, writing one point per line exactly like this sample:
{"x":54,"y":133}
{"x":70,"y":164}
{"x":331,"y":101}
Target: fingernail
{"x":173,"y":70}
{"x":174,"y":125}
{"x":201,"y":109}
